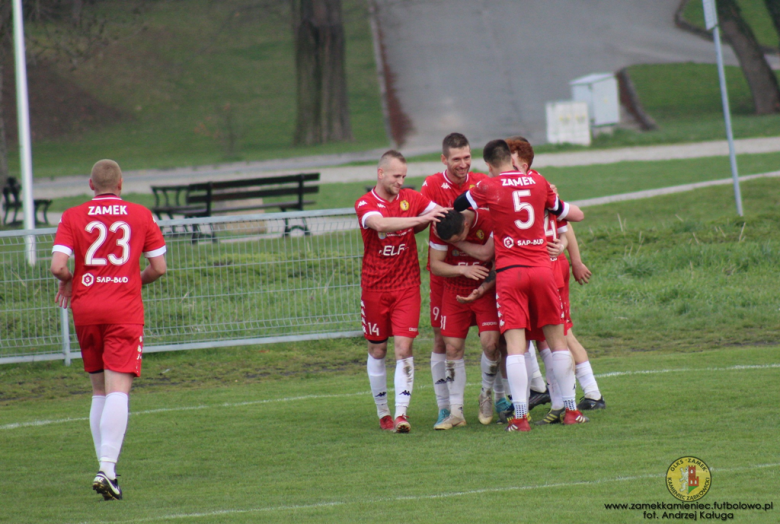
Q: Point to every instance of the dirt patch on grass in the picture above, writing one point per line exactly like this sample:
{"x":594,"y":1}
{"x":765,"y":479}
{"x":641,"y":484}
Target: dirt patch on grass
{"x":58,"y":107}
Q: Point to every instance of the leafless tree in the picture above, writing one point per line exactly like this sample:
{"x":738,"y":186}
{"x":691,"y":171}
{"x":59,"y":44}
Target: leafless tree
{"x":760,"y":77}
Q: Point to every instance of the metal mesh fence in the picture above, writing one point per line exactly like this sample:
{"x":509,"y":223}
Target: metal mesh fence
{"x":231,"y":280}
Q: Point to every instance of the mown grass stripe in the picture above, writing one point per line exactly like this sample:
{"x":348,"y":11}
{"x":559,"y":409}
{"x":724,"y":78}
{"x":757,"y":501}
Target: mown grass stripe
{"x":34,"y":423}
{"x":432,"y":496}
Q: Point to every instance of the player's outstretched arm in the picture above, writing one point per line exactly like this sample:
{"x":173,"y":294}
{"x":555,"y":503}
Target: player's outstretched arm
{"x":575,"y":214}
{"x":483,"y":253}
{"x":487,"y":285}
{"x":581,"y":272}
{"x":438,"y":211}
{"x":59,"y":268}
{"x":441,"y":269}
{"x":156,"y":268}
{"x":392,"y":224}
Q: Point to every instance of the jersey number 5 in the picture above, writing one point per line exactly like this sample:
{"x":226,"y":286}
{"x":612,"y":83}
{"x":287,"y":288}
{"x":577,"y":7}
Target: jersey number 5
{"x":91,"y":260}
{"x":520,"y":206}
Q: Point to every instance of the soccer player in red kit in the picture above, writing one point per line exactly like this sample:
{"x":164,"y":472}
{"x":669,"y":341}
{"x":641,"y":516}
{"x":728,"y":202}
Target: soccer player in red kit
{"x":525,"y":284}
{"x":107,"y":236}
{"x":443,"y":188}
{"x":390,"y":280}
{"x":462,"y":274}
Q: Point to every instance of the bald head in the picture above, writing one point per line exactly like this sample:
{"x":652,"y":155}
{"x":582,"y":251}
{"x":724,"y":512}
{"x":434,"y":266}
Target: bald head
{"x":106,"y":177}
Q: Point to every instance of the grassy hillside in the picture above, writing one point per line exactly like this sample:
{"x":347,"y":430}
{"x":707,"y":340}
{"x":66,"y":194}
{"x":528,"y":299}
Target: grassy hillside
{"x":179,"y":80}
{"x":753,"y":11}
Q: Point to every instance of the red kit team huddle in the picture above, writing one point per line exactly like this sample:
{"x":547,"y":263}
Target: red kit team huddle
{"x":509,"y":230}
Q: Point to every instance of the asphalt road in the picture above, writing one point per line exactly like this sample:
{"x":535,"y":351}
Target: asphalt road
{"x":487,"y":67}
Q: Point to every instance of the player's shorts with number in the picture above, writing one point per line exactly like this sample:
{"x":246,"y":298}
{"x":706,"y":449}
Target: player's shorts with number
{"x":388,"y":314}
{"x":116,"y":347}
{"x":437,"y":291}
{"x":456,"y":318}
{"x":527,"y":298}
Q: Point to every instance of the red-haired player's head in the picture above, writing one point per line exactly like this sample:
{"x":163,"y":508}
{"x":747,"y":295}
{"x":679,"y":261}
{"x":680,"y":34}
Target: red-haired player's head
{"x":391,"y":173}
{"x":522,"y":153}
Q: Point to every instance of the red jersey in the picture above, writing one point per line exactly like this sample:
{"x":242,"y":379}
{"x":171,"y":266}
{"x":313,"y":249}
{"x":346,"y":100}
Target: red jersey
{"x":107,"y":236}
{"x":441,"y":189}
{"x":553,"y":229}
{"x":479,"y":233}
{"x":390,"y":259}
{"x":517,"y":204}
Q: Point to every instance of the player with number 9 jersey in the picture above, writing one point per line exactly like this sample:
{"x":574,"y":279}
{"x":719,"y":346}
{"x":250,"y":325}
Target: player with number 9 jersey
{"x":107,"y":237}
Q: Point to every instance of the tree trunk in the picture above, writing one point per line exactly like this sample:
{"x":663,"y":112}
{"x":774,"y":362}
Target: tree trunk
{"x":323,"y":110}
{"x":760,"y":77}
{"x":773,"y":6}
{"x":75,"y":12}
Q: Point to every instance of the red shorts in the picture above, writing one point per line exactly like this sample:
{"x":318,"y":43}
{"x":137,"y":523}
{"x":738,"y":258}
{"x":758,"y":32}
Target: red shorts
{"x":457,"y":318}
{"x":390,"y":313}
{"x":563,"y":264}
{"x":116,"y":347}
{"x":527,"y":298}
{"x":437,"y":290}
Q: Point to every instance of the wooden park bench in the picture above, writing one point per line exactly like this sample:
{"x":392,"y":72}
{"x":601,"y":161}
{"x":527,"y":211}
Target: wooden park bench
{"x":205,"y":199}
{"x":12,"y":201}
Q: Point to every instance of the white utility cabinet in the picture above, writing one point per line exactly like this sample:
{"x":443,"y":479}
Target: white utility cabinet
{"x":567,"y":122}
{"x":600,"y":92}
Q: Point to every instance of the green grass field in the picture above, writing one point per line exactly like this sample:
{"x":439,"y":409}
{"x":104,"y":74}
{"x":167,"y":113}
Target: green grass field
{"x":309,"y":449}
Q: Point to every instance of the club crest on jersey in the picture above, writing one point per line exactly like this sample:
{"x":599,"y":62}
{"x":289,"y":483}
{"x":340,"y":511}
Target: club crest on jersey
{"x":508,"y":242}
{"x":382,"y":236}
{"x":480,"y":234}
{"x":404,"y":205}
{"x":87,"y":279}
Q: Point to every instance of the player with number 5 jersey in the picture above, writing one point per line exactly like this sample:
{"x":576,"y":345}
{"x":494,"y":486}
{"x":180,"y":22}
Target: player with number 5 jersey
{"x":526,"y":289}
{"x":106,"y":236}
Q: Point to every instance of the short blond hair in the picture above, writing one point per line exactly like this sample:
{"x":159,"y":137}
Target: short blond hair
{"x":106,"y":175}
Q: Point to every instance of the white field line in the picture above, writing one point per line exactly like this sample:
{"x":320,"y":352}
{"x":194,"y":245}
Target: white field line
{"x":17,"y":425}
{"x":432,"y":496}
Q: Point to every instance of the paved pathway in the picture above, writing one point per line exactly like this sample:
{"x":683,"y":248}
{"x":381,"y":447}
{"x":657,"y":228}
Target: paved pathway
{"x":487,"y":67}
{"x":139,"y":181}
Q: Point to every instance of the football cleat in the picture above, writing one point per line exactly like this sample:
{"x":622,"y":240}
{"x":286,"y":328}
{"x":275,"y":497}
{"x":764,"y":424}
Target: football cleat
{"x":402,"y":424}
{"x":107,"y":487}
{"x":504,"y":409}
{"x":589,"y":403}
{"x":574,"y":417}
{"x":386,"y":423}
{"x":486,"y":407}
{"x":537,"y":399}
{"x":443,"y":414}
{"x":450,"y":422}
{"x":554,"y":416}
{"x":518,"y":424}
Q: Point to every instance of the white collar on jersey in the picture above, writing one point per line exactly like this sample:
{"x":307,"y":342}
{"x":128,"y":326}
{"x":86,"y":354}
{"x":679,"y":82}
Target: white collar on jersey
{"x":373,"y":192}
{"x":454,"y":183}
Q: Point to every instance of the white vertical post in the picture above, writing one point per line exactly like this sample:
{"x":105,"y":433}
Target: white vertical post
{"x":711,"y":21}
{"x":23,"y":117}
{"x":65,"y":333}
